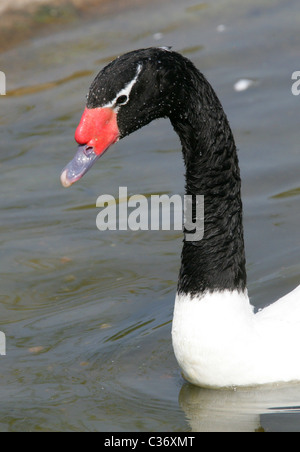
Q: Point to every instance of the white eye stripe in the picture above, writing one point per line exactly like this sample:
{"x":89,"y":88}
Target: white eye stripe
{"x":125,"y":91}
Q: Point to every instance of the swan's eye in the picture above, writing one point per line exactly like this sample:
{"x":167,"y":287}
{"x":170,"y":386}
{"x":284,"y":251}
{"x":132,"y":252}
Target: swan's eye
{"x":122,"y":100}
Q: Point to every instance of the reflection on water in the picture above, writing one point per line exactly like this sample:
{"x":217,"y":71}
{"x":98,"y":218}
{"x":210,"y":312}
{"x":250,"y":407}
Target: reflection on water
{"x":241,"y":410}
{"x":26,"y":90}
{"x":87,"y":315}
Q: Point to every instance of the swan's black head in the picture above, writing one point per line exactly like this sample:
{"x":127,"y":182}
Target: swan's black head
{"x":129,"y":93}
{"x":137,"y":86}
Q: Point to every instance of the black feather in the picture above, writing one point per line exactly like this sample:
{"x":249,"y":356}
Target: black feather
{"x":169,"y":85}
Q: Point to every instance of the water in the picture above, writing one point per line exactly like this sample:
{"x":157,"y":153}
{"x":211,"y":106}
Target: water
{"x":87,"y":315}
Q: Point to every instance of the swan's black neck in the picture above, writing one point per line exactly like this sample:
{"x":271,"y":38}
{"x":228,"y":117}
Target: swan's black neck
{"x":217,"y":262}
{"x":160,"y":83}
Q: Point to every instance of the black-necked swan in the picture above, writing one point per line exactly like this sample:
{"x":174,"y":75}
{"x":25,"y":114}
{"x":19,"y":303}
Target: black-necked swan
{"x":218,"y":340}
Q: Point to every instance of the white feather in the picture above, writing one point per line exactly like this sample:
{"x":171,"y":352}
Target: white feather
{"x":125,"y":91}
{"x":219,"y":341}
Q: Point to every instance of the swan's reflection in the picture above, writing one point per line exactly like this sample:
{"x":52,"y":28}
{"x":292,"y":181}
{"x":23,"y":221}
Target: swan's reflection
{"x":240,"y":410}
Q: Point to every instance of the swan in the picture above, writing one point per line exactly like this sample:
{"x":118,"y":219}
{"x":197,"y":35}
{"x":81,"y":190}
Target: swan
{"x":218,"y":339}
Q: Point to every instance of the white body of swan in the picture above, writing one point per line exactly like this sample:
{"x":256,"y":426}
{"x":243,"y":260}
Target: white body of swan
{"x":219,"y":341}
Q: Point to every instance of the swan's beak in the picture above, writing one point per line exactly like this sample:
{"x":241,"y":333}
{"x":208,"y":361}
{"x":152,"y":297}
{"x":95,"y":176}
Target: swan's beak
{"x":84,"y":159}
{"x":97,"y":131}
